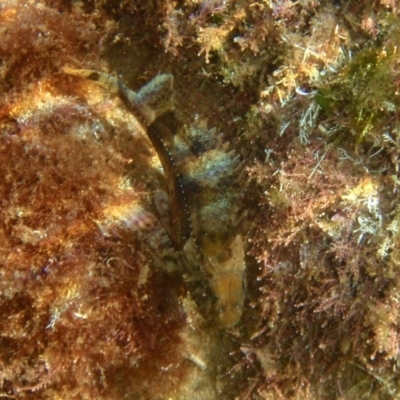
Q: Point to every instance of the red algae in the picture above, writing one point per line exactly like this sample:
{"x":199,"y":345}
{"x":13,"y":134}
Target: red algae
{"x":93,"y":301}
{"x":76,"y":320}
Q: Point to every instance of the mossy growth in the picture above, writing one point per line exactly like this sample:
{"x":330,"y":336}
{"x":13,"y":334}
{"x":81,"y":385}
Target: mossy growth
{"x":82,"y":316}
{"x":363,"y":94}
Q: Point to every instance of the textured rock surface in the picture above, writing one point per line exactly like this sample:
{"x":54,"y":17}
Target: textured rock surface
{"x":116,"y":278}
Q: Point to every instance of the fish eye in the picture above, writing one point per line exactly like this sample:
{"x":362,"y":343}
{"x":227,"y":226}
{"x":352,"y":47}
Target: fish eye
{"x":94,"y":76}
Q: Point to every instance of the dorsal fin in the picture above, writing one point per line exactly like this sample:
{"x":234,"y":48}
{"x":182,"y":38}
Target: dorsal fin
{"x":157,"y":94}
{"x":153,"y":99}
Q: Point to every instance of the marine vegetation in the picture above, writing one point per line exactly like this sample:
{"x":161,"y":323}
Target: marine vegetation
{"x":199,"y":199}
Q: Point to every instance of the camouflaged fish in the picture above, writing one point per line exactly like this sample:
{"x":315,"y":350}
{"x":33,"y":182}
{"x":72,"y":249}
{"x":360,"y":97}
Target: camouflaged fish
{"x":198,"y":207}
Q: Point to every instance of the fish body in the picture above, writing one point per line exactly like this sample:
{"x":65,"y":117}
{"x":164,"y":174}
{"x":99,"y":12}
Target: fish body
{"x":199,"y":207}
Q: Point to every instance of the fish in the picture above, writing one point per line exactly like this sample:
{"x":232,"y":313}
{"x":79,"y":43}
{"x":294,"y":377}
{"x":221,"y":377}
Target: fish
{"x":199,"y":205}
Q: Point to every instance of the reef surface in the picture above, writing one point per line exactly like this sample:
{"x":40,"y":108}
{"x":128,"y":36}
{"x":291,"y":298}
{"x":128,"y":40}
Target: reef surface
{"x":249,"y":249}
